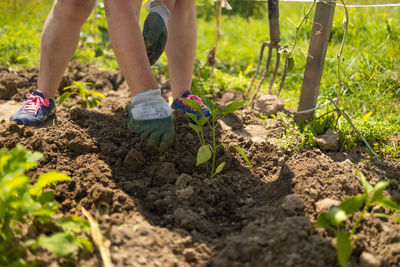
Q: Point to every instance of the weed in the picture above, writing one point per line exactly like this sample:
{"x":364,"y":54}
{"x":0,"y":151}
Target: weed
{"x":22,"y":204}
{"x":88,"y":98}
{"x":206,"y":151}
{"x":335,"y":219}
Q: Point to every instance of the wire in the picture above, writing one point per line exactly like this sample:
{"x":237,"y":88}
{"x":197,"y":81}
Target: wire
{"x":376,"y":5}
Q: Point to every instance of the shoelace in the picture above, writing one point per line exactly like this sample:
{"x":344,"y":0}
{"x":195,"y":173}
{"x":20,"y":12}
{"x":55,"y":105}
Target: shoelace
{"x":196,"y":98}
{"x":34,"y":103}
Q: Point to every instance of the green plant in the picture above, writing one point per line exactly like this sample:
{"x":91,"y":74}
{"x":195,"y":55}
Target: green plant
{"x":335,"y":219}
{"x":88,"y":97}
{"x":206,"y":151}
{"x":22,"y":205}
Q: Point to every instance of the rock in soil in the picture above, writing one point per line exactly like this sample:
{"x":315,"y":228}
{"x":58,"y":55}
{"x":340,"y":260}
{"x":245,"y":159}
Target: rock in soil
{"x":328,"y":141}
{"x":369,"y":260}
{"x":268,"y":105}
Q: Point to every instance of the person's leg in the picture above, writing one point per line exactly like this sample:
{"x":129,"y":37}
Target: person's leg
{"x":128,"y":45}
{"x":181,"y":45}
{"x":148,"y":113}
{"x":60,"y":38}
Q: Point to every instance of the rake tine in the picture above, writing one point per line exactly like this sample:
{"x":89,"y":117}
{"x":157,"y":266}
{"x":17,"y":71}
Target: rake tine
{"x":285,"y":71}
{"x":277,"y":63}
{"x":257,"y":69}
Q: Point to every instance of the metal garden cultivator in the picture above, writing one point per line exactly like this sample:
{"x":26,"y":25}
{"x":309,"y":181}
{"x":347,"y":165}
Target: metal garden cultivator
{"x":272,"y":44}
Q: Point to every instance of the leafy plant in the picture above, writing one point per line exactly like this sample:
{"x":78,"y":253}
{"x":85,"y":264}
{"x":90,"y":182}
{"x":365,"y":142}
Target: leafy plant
{"x":22,"y":204}
{"x":88,"y":97}
{"x":206,"y":151}
{"x":335,"y":219}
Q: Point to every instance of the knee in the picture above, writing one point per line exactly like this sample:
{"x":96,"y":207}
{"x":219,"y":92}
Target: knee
{"x":75,"y":10}
{"x":115,"y":8}
{"x":185,"y":8}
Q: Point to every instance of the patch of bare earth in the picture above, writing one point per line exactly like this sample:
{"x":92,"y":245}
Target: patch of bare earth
{"x":160,"y":210}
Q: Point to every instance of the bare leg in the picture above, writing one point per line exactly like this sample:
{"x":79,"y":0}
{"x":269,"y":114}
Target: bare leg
{"x":128,"y":44}
{"x":60,"y":38}
{"x":181,"y":45}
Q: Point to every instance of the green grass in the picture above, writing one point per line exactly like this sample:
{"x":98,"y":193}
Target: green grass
{"x":370,"y":67}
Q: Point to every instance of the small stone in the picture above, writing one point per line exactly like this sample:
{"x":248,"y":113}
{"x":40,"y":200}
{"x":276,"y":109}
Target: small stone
{"x":183,"y":179}
{"x":189,"y":254}
{"x":328,"y":141}
{"x":325,"y":204}
{"x":292,"y":203}
{"x":268,"y":105}
{"x":313,"y":193}
{"x":185,"y":193}
{"x":369,"y":260}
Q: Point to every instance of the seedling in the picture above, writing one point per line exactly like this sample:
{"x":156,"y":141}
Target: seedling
{"x":336,"y":218}
{"x":206,"y":151}
{"x":88,"y":97}
{"x":22,"y":204}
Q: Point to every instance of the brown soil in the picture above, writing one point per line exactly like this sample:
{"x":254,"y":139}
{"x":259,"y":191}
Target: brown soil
{"x":160,"y":210}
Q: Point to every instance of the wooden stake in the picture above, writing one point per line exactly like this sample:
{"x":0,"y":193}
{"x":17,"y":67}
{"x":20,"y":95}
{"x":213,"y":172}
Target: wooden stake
{"x":316,"y":58}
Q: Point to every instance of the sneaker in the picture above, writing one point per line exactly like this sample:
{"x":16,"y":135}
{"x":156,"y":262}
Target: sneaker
{"x":178,"y":104}
{"x":35,"y":110}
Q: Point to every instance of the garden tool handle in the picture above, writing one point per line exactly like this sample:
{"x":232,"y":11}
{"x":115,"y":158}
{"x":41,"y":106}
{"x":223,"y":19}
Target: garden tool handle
{"x":273,"y":17}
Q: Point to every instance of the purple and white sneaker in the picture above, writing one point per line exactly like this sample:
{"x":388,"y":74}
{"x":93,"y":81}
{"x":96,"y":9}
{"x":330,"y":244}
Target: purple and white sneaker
{"x":178,"y":104}
{"x":36,"y":110}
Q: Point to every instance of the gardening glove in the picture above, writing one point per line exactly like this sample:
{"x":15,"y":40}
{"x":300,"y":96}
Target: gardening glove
{"x":152,"y":118}
{"x":155,"y":30}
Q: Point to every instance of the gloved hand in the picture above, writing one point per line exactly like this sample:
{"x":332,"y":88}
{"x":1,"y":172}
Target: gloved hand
{"x":152,"y":118}
{"x":155,"y":32}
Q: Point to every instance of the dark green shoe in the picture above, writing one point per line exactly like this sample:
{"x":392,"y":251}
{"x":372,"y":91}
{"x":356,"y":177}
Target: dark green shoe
{"x":155,"y":36}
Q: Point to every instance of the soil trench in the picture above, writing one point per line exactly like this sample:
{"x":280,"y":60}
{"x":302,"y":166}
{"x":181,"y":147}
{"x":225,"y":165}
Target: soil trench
{"x":159,"y":209}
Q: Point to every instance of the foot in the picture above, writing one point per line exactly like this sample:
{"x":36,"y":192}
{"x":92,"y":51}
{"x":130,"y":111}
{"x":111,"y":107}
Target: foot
{"x":35,"y":111}
{"x":152,"y":118}
{"x":155,"y":31}
{"x":178,"y":104}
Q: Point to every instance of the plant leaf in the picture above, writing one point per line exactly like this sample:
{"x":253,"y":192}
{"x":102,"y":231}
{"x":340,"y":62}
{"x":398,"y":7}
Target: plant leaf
{"x":192,"y":117}
{"x":337,"y":216}
{"x":98,"y":94}
{"x":323,"y":220}
{"x":214,"y":113}
{"x":378,"y":191}
{"x":353,"y":204}
{"x":290,"y":64}
{"x":383,"y":215}
{"x":61,"y":244}
{"x":219,"y":168}
{"x":367,"y":187}
{"x":232,"y":107}
{"x":241,"y":152}
{"x":343,"y":248}
{"x":64,"y":97}
{"x":388,"y":203}
{"x":195,"y":127}
{"x":366,"y":116}
{"x":73,"y":224}
{"x":193,"y":104}
{"x":203,"y":155}
{"x":208,"y":103}
{"x":46,"y":179}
